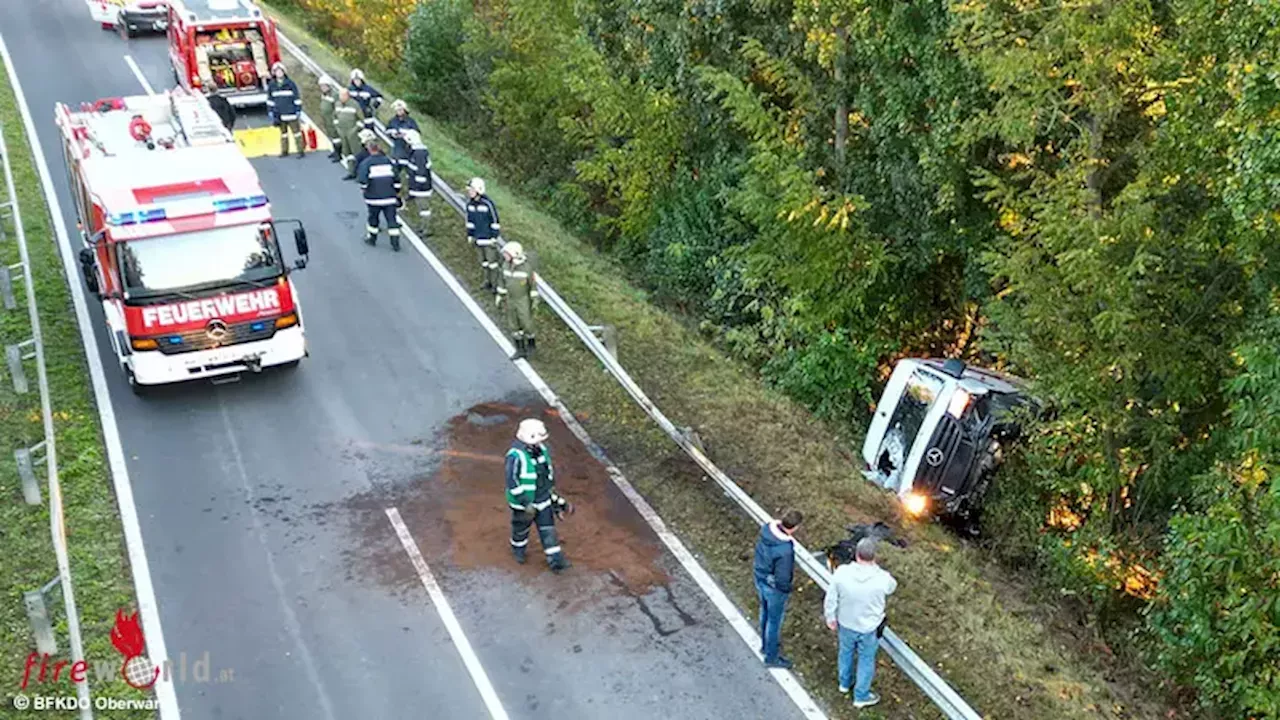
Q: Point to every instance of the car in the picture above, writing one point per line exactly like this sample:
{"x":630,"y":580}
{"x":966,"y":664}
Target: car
{"x":938,"y":436}
{"x":143,"y":16}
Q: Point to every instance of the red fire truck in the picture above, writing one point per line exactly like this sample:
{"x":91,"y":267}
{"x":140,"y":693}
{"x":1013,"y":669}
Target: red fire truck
{"x":229,"y":45}
{"x":180,"y":245}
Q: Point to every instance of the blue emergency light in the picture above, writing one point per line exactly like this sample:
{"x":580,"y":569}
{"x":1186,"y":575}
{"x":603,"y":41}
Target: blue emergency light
{"x":153,"y":214}
{"x":258,"y":326}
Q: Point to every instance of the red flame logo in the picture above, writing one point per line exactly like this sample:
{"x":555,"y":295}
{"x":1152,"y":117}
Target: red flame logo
{"x":127,"y":638}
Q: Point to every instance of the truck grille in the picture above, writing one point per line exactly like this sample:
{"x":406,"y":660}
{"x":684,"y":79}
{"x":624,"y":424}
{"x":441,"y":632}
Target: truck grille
{"x":950,"y":474}
{"x":237,"y":333}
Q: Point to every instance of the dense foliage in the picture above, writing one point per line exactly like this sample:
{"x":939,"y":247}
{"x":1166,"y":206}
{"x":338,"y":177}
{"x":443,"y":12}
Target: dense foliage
{"x":1083,"y":193}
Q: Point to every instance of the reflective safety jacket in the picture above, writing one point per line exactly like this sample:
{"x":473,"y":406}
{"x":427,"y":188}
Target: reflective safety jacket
{"x":347,"y":116}
{"x":482,"y":221}
{"x":530,"y":477}
{"x":283,"y":99}
{"x":419,"y":165}
{"x":377,"y":175}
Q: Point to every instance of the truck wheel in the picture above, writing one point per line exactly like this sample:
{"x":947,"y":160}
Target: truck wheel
{"x":134,"y":386}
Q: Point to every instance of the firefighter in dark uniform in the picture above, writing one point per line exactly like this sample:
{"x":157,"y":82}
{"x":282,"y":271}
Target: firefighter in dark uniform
{"x":519,"y":290}
{"x":419,"y":174}
{"x":483,"y":231}
{"x":396,"y":128}
{"x":532,"y":496}
{"x":364,"y":137}
{"x":284,"y":104}
{"x":377,"y":177}
{"x":365,"y":94}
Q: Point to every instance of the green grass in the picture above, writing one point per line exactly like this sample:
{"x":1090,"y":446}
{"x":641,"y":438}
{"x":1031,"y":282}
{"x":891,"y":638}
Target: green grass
{"x":1009,"y":655}
{"x":100,"y":571}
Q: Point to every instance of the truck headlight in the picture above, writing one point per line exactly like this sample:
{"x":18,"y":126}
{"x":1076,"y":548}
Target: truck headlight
{"x":915,"y":503}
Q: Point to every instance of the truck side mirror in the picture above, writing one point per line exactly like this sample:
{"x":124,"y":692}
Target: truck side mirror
{"x":87,"y":267}
{"x":300,"y":240}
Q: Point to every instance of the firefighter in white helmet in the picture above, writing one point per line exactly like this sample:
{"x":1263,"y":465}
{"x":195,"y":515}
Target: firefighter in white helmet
{"x":284,"y":106}
{"x":366,"y":95}
{"x":532,"y":496}
{"x":518,"y":289}
{"x":397,"y":127}
{"x":419,"y":174}
{"x":484,"y":232}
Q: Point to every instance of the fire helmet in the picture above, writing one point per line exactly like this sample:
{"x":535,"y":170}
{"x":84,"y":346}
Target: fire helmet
{"x":514,"y":250}
{"x":279,"y":66}
{"x":476,"y":184}
{"x":399,"y":105}
{"x":357,"y":74}
{"x":531,"y":431}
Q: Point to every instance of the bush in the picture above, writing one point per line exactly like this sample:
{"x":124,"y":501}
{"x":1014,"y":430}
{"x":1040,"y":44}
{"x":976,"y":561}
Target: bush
{"x":434,"y":58}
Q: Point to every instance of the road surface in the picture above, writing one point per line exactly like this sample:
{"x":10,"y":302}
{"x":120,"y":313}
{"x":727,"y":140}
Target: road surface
{"x":262,"y":503}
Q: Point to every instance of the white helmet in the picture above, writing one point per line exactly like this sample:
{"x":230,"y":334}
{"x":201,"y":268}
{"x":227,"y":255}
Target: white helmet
{"x":399,"y":105}
{"x":514,"y":249}
{"x":476,"y":184}
{"x":414,"y":139}
{"x":531,"y":431}
{"x":325,"y":81}
{"x":277,"y":65}
{"x":357,"y":73}
{"x":367,"y":136}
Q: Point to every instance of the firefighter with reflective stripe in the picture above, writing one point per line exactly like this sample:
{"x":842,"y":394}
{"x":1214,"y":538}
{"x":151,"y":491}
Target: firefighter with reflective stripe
{"x":484,"y":232}
{"x":364,"y":137}
{"x":377,"y":176}
{"x":518,"y":289}
{"x":531,"y":494}
{"x":346,"y":120}
{"x":396,"y":128}
{"x":328,"y":109}
{"x":365,"y":94}
{"x":284,"y":105}
{"x":419,"y":174}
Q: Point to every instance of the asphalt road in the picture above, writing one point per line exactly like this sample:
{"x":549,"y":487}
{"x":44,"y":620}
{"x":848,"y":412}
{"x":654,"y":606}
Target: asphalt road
{"x":245,"y":491}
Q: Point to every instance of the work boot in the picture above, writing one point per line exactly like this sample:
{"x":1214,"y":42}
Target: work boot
{"x":559,"y":562}
{"x":302,"y":152}
{"x":395,"y":243}
{"x":370,"y":240}
{"x":519,"y":553}
{"x":520,"y":349}
{"x":531,"y":344}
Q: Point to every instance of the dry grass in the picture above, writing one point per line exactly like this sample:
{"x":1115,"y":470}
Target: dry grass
{"x":953,"y":607}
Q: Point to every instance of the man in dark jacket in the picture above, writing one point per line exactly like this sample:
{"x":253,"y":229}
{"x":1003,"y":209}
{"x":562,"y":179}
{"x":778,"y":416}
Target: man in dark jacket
{"x":284,"y":105}
{"x":774,"y":567}
{"x":377,"y":177}
{"x":398,"y":128}
{"x":366,"y":95}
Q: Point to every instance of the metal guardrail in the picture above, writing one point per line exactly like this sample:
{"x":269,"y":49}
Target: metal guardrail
{"x":921,"y":674}
{"x":16,"y":355}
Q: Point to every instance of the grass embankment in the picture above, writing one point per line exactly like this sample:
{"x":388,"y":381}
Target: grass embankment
{"x":953,"y":606}
{"x":100,"y":571}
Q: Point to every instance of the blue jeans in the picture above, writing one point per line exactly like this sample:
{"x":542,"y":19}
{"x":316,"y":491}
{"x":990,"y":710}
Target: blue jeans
{"x":772,"y":606}
{"x":865,"y":646}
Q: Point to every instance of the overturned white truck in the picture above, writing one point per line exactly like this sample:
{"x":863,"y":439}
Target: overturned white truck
{"x":937,"y":435}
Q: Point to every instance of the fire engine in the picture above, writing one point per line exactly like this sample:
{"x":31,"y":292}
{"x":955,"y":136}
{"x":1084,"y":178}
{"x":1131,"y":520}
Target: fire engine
{"x":227,"y":45}
{"x":180,"y":245}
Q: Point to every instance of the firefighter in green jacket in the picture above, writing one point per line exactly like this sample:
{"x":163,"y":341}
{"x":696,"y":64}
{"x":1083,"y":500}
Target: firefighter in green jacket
{"x":328,"y":106}
{"x":347,"y":119}
{"x":532,"y":496}
{"x":518,"y":289}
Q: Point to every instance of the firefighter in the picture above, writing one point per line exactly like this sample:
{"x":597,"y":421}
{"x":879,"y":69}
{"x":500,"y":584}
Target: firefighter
{"x":519,"y":290}
{"x":221,"y":106}
{"x":364,"y":138}
{"x":532,"y":496}
{"x":284,"y":103}
{"x":381,"y":185}
{"x":483,"y":232}
{"x":419,"y":173}
{"x":346,"y":120}
{"x":328,"y":115}
{"x":396,"y":128}
{"x":365,"y":94}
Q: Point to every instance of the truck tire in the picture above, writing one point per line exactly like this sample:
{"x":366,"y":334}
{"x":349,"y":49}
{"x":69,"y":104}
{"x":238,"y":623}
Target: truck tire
{"x":134,"y":386}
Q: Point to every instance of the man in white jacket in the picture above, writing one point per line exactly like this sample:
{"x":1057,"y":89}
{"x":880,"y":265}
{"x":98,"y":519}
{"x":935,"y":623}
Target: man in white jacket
{"x":855,"y":609}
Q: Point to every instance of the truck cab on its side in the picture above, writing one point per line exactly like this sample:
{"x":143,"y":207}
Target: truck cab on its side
{"x":937,"y":435}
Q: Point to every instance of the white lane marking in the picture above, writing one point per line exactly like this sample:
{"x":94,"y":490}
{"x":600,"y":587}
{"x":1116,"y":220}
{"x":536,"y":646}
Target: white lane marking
{"x":292,"y":626}
{"x":137,"y":72}
{"x":441,"y":604}
{"x":148,"y":608}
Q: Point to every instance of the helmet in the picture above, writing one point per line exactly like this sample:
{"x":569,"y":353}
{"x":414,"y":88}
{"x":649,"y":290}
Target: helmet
{"x":476,"y":184}
{"x":326,"y":81}
{"x":279,"y":66}
{"x":399,"y":105}
{"x":531,"y":431}
{"x":514,"y":249}
{"x":357,"y":74}
{"x":414,"y":139}
{"x":367,"y":136}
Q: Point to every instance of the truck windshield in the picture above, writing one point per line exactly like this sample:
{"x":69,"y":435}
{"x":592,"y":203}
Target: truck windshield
{"x":921,"y":390}
{"x":207,"y":258}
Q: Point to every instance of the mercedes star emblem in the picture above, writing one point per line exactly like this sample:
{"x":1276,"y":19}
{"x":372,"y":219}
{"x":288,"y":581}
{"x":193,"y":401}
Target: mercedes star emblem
{"x":933,"y":457}
{"x":216,"y":330}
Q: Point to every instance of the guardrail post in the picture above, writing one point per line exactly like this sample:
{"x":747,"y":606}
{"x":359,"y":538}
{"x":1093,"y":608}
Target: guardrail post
{"x":4,"y":206}
{"x":694,"y":439}
{"x":27,"y":472}
{"x":38,"y":617}
{"x":608,"y":335}
{"x":6,"y":282}
{"x":14,"y":356}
